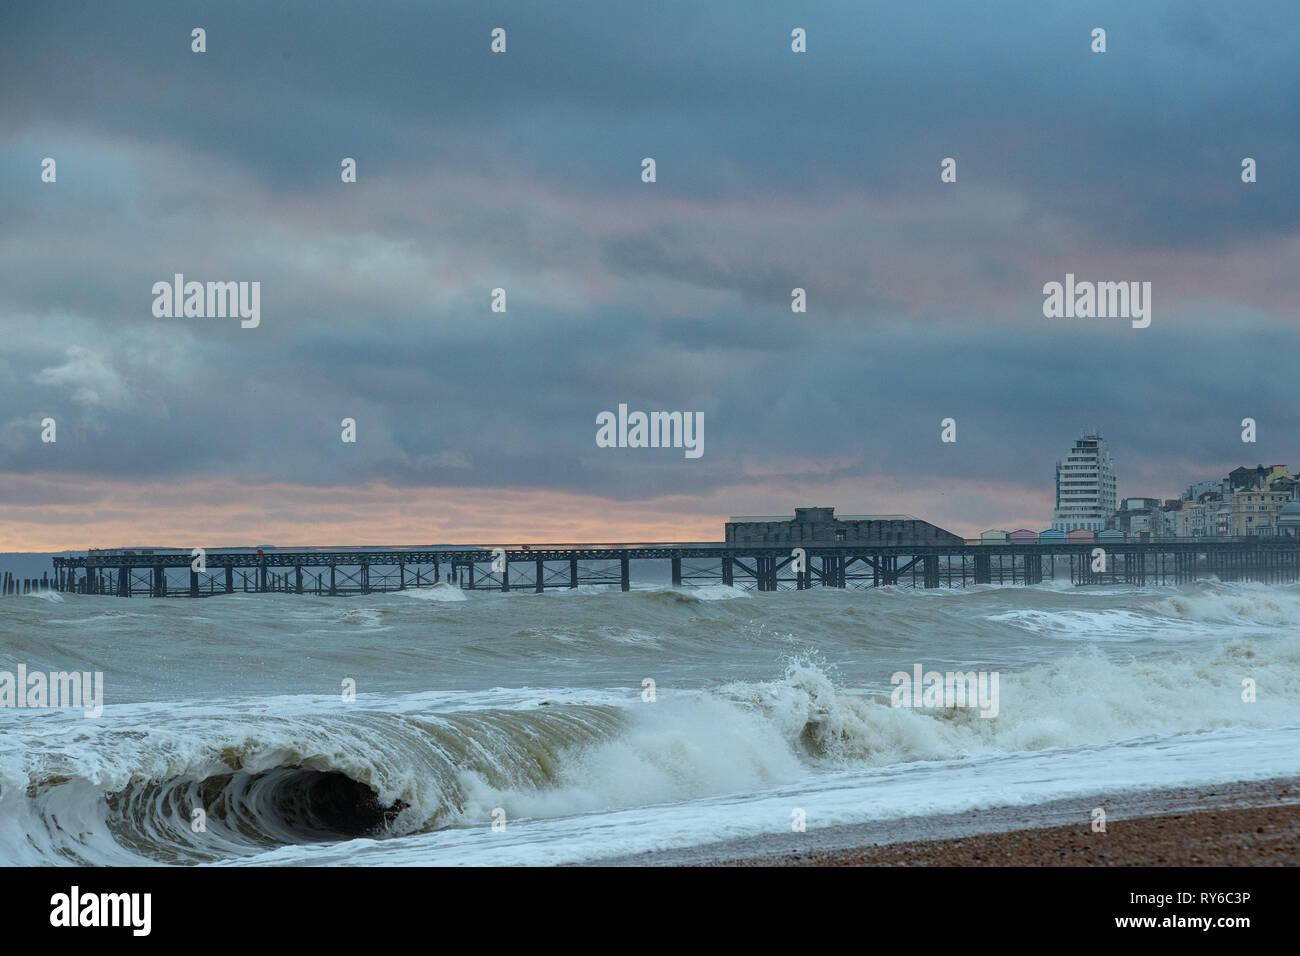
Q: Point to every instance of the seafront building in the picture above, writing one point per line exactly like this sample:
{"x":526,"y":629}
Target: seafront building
{"x":1198,"y":490}
{"x":1249,"y":502}
{"x":1085,"y":487}
{"x":1217,"y":515}
{"x":1288,"y":519}
{"x":1255,"y":511}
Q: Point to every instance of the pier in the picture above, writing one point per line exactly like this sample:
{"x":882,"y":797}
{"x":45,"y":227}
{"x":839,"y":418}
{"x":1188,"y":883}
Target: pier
{"x":10,"y":585}
{"x":537,"y":568}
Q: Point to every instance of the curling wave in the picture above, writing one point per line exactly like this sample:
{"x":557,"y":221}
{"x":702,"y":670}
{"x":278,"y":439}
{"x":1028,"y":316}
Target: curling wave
{"x":113,"y":796}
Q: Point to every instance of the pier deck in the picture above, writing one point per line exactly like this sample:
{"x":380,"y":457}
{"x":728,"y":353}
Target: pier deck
{"x":337,"y":571}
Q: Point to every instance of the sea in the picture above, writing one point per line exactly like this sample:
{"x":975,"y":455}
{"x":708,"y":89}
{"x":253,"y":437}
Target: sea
{"x":437,"y":726}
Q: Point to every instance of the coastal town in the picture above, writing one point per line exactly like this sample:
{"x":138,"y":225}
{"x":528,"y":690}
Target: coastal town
{"x":1259,"y":501}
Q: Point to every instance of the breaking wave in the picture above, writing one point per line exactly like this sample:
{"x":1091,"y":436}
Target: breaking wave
{"x":92,"y":793}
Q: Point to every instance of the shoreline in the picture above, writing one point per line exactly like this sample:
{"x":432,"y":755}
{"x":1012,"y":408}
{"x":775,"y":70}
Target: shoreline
{"x":1245,"y":823}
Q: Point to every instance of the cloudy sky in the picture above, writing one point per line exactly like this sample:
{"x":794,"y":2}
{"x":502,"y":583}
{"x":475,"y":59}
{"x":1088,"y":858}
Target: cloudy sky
{"x":522,"y":171}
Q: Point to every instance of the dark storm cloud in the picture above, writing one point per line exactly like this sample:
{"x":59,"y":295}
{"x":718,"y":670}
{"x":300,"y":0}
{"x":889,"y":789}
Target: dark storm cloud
{"x":522,"y":171}
{"x":1185,"y":89}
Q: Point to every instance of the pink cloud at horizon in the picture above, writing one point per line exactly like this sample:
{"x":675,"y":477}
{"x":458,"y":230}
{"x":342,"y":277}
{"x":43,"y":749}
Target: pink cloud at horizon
{"x":227,"y":513}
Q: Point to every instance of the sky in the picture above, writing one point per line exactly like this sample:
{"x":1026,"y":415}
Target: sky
{"x":522,"y":171}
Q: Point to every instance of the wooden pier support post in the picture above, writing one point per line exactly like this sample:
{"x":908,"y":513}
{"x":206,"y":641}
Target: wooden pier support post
{"x":505,"y":574}
{"x":333,"y":585}
{"x":983,"y":569}
{"x":625,"y":577}
{"x":931,"y":571}
{"x":1033,"y":569}
{"x":194,"y":583}
{"x":728,"y":571}
{"x":573,"y":572}
{"x":297,"y":574}
{"x":677,"y":572}
{"x":124,"y":581}
{"x":230,"y":579}
{"x":539,"y":585}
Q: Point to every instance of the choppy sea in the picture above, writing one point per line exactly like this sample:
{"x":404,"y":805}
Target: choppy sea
{"x":521,"y":728}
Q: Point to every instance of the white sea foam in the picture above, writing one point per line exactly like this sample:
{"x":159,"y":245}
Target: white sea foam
{"x":54,"y":597}
{"x":442,"y":591}
{"x":1115,"y":624}
{"x":489,"y":709}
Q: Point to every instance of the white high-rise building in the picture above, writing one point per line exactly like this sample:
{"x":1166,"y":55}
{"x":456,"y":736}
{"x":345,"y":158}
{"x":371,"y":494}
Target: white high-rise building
{"x":1085,"y":486}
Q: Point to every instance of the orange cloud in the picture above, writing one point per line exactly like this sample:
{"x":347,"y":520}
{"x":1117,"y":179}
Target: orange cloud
{"x":224,"y":512}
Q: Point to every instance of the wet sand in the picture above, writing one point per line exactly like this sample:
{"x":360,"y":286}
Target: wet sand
{"x":1238,"y":824}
